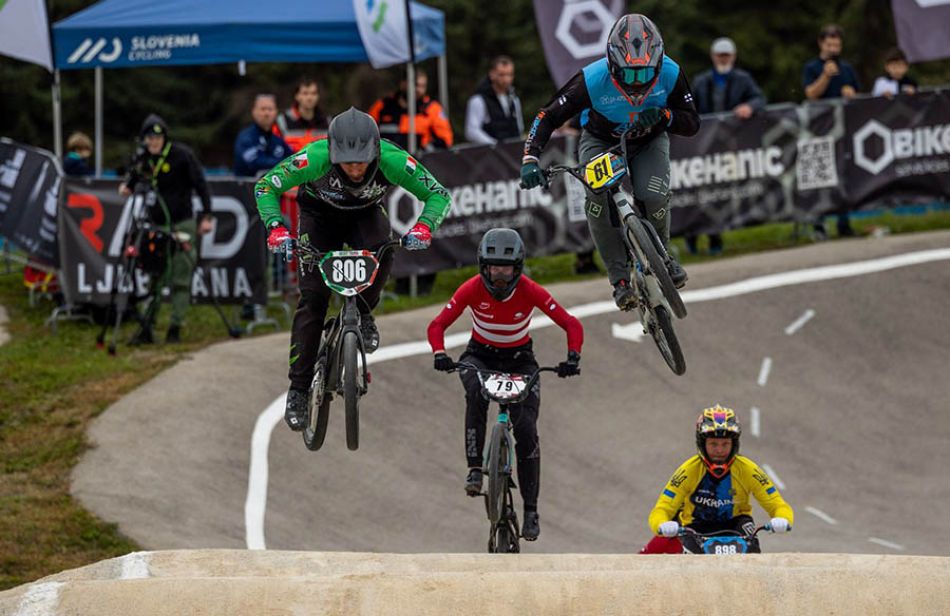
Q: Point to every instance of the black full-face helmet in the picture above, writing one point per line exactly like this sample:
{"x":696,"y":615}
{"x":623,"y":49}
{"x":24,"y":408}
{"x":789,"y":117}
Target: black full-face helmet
{"x":635,"y":55}
{"x":354,"y":138}
{"x":501,"y":247}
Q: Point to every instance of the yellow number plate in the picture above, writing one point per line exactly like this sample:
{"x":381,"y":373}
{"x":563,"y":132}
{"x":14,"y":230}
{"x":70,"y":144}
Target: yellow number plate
{"x":600,"y":171}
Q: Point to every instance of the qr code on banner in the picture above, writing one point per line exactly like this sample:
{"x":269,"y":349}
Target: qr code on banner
{"x":817,"y":167}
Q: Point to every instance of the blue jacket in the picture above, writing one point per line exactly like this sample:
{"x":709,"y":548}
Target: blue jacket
{"x":257,"y":151}
{"x":740,"y":87}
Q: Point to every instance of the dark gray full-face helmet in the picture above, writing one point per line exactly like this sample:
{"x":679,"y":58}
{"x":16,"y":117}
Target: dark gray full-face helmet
{"x":354,"y":138}
{"x":635,"y":55}
{"x":501,"y":247}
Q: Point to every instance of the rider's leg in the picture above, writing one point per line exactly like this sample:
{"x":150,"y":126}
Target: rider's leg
{"x":322,"y":231}
{"x":372,"y":230}
{"x":745,"y":524}
{"x":650,"y":174}
{"x":604,"y":228}
{"x":524,"y":418}
{"x":476,"y":409}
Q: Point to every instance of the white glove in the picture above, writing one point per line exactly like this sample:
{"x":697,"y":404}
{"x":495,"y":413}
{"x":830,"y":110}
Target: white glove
{"x":780,"y":525}
{"x":671,"y":528}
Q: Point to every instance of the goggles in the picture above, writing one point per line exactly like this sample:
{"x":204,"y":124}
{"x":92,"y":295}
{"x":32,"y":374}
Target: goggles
{"x":632,"y":76}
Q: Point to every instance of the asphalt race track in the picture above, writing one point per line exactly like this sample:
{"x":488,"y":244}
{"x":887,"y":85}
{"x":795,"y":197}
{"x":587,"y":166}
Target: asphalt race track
{"x":852,"y":419}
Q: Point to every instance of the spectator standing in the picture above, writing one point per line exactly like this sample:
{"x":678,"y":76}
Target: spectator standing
{"x":828,"y":76}
{"x":304,"y":122}
{"x":78,"y":151}
{"x":894,"y":80}
{"x":724,"y":88}
{"x":432,"y":126}
{"x":257,"y":149}
{"x":493,"y":113}
{"x":174,"y":173}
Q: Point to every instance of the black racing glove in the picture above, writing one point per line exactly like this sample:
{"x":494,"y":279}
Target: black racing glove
{"x":571,"y":367}
{"x":443,"y":363}
{"x":649,"y":117}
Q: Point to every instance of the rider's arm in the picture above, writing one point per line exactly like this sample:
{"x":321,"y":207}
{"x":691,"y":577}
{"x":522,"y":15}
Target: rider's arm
{"x":450,"y":312}
{"x":674,"y":494}
{"x":765,"y":490}
{"x":567,"y":103}
{"x":306,"y":165}
{"x":684,"y":119}
{"x":402,"y":169}
{"x":545,"y":302}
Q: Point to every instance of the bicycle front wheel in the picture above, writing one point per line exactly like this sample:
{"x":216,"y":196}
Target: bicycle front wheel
{"x":642,"y":239}
{"x":318,"y":413}
{"x":352,"y":377}
{"x":498,"y":472}
{"x":665,"y":337}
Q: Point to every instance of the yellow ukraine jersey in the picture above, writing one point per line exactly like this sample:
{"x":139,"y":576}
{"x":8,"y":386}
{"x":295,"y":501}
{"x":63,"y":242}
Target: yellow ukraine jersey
{"x":697,"y":496}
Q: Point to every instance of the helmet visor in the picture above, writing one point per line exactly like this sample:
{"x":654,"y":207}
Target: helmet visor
{"x":637,"y":76}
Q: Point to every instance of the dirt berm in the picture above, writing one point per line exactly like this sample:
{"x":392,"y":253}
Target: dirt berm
{"x":273,"y":582}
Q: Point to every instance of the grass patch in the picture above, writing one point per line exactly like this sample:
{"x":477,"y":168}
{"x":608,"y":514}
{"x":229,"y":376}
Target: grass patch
{"x":51,"y":387}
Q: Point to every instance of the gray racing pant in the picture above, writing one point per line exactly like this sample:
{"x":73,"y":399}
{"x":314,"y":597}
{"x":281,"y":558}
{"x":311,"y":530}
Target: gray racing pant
{"x":649,"y":165}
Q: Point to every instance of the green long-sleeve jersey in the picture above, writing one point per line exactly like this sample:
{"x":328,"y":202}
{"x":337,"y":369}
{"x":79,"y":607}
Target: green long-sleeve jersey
{"x":320,"y":184}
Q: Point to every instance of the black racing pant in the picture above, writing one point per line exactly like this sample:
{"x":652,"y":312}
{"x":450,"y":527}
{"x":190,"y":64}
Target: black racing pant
{"x":524,"y":416}
{"x":328,"y":229}
{"x":740,"y":523}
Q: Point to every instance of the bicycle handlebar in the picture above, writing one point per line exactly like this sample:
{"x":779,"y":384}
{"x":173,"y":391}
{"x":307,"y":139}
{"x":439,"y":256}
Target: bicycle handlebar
{"x":685,"y":530}
{"x":306,"y":249}
{"x":528,"y":384}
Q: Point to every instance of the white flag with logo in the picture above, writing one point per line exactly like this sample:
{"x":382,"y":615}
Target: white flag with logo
{"x":384,"y":30}
{"x":24,"y":31}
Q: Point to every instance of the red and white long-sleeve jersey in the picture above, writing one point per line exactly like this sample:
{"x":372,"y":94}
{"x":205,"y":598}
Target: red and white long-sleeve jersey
{"x":503,"y":323}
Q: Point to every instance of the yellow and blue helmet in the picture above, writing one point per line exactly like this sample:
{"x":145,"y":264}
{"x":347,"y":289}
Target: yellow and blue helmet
{"x":719,"y":422}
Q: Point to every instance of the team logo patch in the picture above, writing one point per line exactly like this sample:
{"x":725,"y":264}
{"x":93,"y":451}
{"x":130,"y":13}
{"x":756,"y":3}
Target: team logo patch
{"x":301,"y":161}
{"x":275,"y":180}
{"x":411,"y":165}
{"x":484,"y":306}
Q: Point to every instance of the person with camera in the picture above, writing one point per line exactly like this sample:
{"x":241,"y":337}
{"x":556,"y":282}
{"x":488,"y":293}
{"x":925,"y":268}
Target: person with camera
{"x":502,"y":300}
{"x":173,"y":173}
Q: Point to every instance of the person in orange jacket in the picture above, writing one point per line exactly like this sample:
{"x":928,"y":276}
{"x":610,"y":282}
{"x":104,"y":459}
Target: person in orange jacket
{"x":304,"y":122}
{"x":432,"y":126}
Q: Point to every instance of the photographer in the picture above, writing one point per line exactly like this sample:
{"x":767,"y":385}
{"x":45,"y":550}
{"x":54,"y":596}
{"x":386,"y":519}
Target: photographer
{"x":173,"y":173}
{"x":827,"y":76}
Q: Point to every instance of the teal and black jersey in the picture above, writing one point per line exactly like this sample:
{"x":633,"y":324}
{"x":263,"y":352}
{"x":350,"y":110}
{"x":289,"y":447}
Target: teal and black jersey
{"x":319,"y":185}
{"x":606,"y":110}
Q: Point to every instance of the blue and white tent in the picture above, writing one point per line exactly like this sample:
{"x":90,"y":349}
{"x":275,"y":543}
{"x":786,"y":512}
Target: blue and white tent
{"x":127,"y":33}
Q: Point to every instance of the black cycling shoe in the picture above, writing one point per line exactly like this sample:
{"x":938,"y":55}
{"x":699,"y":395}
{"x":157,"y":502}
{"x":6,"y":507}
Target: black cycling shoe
{"x":677,"y":273}
{"x":143,"y":336}
{"x":370,"y":333}
{"x":625,"y":296}
{"x":531,"y":527}
{"x":473,"y":483}
{"x":174,"y":334}
{"x":295,"y":413}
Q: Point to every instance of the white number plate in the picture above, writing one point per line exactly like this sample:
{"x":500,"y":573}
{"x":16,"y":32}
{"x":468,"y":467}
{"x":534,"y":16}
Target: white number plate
{"x":504,"y":386}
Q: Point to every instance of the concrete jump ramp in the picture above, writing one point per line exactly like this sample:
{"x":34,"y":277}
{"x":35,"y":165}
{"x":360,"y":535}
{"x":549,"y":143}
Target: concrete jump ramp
{"x":212,"y":582}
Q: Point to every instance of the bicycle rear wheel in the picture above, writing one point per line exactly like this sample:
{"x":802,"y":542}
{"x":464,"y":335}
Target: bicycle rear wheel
{"x":642,"y":238}
{"x":498,"y":473}
{"x":665,"y":337}
{"x":318,"y":413}
{"x":352,"y":377}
